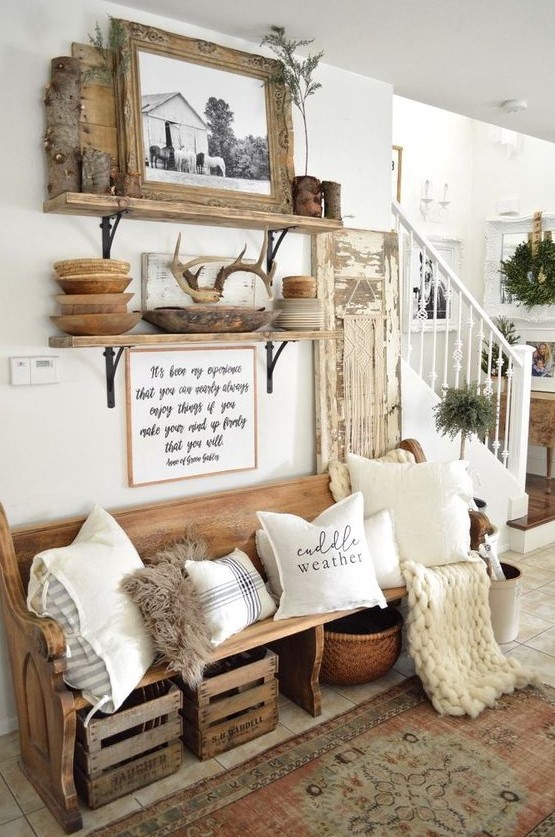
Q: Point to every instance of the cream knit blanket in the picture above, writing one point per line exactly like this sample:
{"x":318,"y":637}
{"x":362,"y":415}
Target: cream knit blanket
{"x":450,"y":638}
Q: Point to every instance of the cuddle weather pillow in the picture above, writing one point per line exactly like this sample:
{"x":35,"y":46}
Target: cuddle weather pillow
{"x":429,"y":502}
{"x":231,"y":593}
{"x":323,"y":566}
{"x":108,"y":647}
{"x":380,"y":540}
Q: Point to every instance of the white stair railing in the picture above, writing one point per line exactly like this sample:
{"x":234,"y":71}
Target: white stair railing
{"x":449,"y":340}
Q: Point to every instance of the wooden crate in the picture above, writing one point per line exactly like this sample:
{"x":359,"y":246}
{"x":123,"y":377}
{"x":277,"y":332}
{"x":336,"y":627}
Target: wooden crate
{"x":116,"y":754}
{"x":231,"y":708}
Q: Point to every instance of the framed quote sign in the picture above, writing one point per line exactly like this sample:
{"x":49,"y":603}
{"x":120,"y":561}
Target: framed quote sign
{"x":190,"y":412}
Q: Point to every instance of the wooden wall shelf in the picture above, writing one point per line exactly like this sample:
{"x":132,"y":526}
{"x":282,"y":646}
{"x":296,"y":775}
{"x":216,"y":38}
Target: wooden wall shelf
{"x":135,"y":339}
{"x":142,"y":209}
{"x":126,"y":341}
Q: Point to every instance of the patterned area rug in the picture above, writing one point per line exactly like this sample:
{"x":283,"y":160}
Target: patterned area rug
{"x":391,"y":766}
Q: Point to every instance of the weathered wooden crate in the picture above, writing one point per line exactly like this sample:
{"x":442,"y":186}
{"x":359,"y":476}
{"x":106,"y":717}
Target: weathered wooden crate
{"x":116,"y":754}
{"x":231,"y":708}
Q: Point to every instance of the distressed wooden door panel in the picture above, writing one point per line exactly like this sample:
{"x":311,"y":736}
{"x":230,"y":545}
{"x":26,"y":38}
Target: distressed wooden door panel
{"x":357,"y":377}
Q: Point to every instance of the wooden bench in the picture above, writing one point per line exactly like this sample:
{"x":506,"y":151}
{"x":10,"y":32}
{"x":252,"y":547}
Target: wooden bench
{"x":47,"y":708}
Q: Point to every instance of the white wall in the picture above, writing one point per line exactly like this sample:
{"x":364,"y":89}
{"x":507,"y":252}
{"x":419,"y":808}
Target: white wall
{"x":482,"y":171}
{"x":61,"y":448}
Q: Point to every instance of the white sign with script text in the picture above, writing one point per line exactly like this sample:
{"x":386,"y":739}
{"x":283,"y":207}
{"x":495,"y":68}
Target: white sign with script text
{"x":190,"y":412}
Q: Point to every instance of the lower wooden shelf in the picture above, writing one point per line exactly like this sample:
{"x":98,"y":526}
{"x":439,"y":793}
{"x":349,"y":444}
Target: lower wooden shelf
{"x":127,"y":341}
{"x":67,"y":341}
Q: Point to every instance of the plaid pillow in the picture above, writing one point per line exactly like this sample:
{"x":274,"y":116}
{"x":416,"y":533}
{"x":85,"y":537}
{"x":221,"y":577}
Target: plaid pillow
{"x":231,"y":592}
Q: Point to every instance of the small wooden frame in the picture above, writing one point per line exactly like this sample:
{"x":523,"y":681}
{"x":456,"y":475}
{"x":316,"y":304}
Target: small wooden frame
{"x":164,"y":103}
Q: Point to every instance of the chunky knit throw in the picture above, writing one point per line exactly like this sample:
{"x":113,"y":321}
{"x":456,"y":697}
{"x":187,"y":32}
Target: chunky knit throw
{"x":451,"y":640}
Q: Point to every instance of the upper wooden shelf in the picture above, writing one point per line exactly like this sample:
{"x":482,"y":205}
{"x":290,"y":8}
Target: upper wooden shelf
{"x":162,"y":338}
{"x":142,"y":209}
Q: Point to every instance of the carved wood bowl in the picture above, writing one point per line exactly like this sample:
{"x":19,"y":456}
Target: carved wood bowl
{"x":94,"y":284}
{"x":90,"y":325}
{"x":209,"y":319}
{"x":93,"y":303}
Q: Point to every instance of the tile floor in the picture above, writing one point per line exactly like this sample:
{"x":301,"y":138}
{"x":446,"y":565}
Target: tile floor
{"x":22,"y":813}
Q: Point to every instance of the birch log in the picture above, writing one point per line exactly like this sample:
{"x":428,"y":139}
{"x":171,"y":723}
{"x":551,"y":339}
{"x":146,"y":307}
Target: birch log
{"x":61,"y":142}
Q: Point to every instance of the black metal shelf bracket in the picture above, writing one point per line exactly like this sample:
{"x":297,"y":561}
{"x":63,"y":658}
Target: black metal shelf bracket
{"x":271,"y":361}
{"x":111,"y":366}
{"x":272,"y":248}
{"x":109,"y":225}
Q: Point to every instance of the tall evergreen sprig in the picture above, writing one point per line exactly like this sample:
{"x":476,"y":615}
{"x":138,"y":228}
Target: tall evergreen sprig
{"x":113,"y":51}
{"x":296,"y":74}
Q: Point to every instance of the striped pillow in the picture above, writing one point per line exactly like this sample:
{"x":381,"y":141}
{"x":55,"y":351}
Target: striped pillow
{"x":85,"y":669}
{"x":231,"y":592}
{"x":108,"y":648}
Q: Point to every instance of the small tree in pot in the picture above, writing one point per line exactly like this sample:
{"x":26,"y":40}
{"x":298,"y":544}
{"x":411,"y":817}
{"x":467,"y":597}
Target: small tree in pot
{"x":297,"y":75}
{"x":466,"y":411}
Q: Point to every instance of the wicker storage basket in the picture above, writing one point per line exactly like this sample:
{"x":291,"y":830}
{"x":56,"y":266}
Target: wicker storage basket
{"x":361,"y":647}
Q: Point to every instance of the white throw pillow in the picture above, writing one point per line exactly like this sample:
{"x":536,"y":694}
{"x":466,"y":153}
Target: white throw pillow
{"x":382,"y":544}
{"x":108,"y":647}
{"x":231,"y":592}
{"x":323,"y":566}
{"x":340,"y":482}
{"x":429,"y":502}
{"x":380,"y":540}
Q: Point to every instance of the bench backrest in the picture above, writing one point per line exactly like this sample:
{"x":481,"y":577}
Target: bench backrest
{"x":224,"y":520}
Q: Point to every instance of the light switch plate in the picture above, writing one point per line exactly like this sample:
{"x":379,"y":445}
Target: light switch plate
{"x":20,"y":371}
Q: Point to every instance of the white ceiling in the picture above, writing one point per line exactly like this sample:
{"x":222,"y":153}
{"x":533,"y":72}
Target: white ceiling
{"x":466,"y":56}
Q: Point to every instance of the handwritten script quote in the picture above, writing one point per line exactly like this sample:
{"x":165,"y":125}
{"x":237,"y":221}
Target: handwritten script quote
{"x":190,"y":412}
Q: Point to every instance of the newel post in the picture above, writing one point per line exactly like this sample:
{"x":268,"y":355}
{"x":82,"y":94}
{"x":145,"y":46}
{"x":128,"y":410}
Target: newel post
{"x":520,"y":412}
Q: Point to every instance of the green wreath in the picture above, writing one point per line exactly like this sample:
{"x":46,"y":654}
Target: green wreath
{"x":530,"y":278}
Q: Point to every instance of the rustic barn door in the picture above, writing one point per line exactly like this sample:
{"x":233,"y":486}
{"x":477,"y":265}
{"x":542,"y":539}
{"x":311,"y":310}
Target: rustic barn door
{"x":357,"y":377}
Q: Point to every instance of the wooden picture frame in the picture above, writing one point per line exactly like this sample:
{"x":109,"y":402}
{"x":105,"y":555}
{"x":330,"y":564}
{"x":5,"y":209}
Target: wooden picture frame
{"x":169,"y":87}
{"x":191,"y":412}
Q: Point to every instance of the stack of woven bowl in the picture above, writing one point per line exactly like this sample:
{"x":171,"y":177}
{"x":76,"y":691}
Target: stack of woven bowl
{"x":93,"y":301}
{"x":299,"y":310}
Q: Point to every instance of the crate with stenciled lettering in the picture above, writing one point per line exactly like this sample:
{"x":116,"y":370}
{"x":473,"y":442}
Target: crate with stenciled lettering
{"x":232,"y":707}
{"x":138,"y":744}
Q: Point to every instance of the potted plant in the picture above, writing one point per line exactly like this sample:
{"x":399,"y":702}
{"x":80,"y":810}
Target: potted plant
{"x":297,"y":75}
{"x":464,"y":410}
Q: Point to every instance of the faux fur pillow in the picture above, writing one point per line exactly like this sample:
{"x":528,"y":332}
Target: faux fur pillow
{"x":171,"y":609}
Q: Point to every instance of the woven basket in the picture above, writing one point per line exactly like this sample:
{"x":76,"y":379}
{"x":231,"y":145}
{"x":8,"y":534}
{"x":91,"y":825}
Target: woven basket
{"x":350,"y":658}
{"x":71,"y":267}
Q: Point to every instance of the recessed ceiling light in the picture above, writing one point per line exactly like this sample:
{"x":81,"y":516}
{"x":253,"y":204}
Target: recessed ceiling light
{"x":514,"y":105}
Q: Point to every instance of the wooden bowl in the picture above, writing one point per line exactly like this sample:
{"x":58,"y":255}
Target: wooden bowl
{"x":70,"y":267}
{"x":90,"y":325}
{"x":295,"y":287}
{"x":93,"y":303}
{"x":92,"y":285}
{"x":208,"y":319}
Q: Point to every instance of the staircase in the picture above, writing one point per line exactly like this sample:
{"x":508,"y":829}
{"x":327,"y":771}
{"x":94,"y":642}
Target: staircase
{"x":448,"y":340}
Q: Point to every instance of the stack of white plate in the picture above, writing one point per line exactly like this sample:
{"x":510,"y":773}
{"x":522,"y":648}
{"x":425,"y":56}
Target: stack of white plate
{"x":299,"y":314}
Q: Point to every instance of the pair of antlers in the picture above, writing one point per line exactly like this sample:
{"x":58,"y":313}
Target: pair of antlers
{"x":188,"y":281}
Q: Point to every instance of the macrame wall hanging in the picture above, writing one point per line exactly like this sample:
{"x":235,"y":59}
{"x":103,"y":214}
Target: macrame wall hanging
{"x":364,"y":384}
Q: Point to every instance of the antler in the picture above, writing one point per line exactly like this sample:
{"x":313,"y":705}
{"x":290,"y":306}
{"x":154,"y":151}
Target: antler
{"x":188,"y":282}
{"x":246,"y":267}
